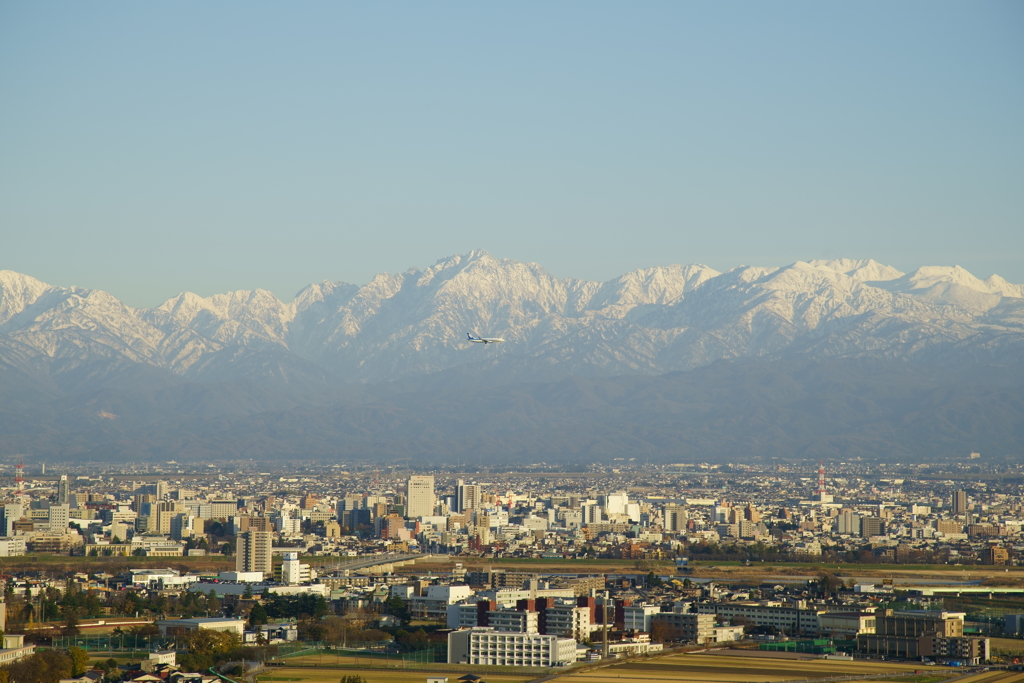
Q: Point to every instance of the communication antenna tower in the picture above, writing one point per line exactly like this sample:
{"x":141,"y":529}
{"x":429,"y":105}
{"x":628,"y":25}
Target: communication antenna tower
{"x":19,"y":476}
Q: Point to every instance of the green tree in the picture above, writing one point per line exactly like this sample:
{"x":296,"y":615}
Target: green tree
{"x":204,"y":648}
{"x":212,"y":603}
{"x":79,"y":660}
{"x":315,"y":631}
{"x":397,"y":607}
{"x":828,"y":583}
{"x":71,"y":622}
{"x":257,"y":615}
{"x":46,"y":666}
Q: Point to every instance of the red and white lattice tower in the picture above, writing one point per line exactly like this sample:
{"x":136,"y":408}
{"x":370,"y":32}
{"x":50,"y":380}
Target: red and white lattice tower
{"x":19,"y":476}
{"x":821,"y":479}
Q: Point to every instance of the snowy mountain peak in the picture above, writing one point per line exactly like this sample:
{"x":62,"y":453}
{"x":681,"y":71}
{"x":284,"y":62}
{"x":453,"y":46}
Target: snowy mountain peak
{"x":17,"y":291}
{"x":861,"y":270}
{"x":320,"y":292}
{"x":649,"y":320}
{"x":999,"y":286}
{"x":927,"y":277}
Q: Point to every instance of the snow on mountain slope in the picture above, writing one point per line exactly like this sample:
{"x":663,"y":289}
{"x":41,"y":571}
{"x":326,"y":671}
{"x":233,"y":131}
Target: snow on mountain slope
{"x":17,"y":292}
{"x":865,"y":270}
{"x":955,"y":287}
{"x":254,"y":318}
{"x":651,"y":320}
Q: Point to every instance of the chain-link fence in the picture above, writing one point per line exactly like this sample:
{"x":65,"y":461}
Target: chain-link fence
{"x":323,"y":655}
{"x":127,"y":642}
{"x":297,"y":653}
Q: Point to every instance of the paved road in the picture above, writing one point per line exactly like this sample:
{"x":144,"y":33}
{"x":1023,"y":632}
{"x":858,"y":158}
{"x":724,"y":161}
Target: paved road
{"x":371,"y":561}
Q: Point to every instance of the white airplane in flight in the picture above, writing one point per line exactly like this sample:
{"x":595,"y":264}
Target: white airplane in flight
{"x":484,"y":340}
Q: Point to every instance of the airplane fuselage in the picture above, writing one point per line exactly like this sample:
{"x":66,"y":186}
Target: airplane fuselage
{"x":484,"y":340}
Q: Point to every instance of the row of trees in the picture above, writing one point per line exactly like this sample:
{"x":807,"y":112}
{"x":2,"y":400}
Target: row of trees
{"x":354,"y":632}
{"x":50,"y":604}
{"x":73,"y":604}
{"x":46,"y":666}
{"x":303,"y":606}
{"x":187,"y":604}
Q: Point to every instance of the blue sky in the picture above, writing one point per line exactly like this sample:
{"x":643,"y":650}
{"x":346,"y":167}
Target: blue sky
{"x":151,"y":148}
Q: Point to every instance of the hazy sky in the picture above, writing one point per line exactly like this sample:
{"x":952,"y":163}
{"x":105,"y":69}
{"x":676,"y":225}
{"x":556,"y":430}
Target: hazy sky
{"x":151,"y":148}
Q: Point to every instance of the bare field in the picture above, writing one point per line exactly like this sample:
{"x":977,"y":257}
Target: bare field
{"x":1008,"y":645}
{"x":994,"y":677}
{"x":728,"y":571}
{"x":292,"y":675}
{"x":332,"y":660}
{"x":113,"y":565}
{"x":723,"y":668}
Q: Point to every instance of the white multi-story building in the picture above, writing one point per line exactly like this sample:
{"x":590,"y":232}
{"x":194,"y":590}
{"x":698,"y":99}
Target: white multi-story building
{"x":790,"y":620}
{"x":513,"y":620}
{"x":63,"y":490}
{"x":420,"y":496}
{"x":12,"y":546}
{"x":14,"y":648}
{"x":638,"y":617}
{"x":637,"y":645}
{"x":848,"y":523}
{"x":294,"y":572}
{"x":461,"y":615}
{"x":675,"y":518}
{"x":12,"y":512}
{"x":845,"y":624}
{"x":615,"y":503}
{"x":467,"y":496}
{"x":60,"y":515}
{"x":288,"y":526}
{"x":122,"y":515}
{"x":633,"y":511}
{"x":434,"y":605}
{"x":254,"y":552}
{"x":488,"y":647}
{"x":569,"y":621}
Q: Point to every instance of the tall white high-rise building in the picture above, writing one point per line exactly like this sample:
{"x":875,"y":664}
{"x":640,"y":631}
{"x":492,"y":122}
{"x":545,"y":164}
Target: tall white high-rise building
{"x":254,"y":552}
{"x":60,"y":515}
{"x":294,"y":572}
{"x":615,"y":503}
{"x":63,"y":490}
{"x":675,"y":518}
{"x":420,"y":498}
{"x":12,"y":512}
{"x":467,"y":496}
{"x":848,"y":523}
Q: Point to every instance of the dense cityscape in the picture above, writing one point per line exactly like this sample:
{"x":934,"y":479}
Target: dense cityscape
{"x":539,"y":567}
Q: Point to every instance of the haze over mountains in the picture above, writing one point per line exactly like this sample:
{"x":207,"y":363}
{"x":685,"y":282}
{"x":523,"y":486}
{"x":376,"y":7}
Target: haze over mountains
{"x":840,"y":358}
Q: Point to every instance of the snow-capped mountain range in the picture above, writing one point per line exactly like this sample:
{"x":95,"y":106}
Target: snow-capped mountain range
{"x":411,"y":324}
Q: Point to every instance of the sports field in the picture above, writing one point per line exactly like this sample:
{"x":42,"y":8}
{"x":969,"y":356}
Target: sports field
{"x":331,"y":659}
{"x":721,"y":667}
